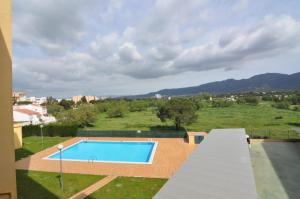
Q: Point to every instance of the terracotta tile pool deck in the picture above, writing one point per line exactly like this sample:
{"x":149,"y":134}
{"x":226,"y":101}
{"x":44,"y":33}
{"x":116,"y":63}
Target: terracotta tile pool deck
{"x":170,"y":154}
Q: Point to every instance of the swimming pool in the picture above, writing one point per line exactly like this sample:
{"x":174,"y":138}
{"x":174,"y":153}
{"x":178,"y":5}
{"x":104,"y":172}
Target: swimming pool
{"x":136,"y":152}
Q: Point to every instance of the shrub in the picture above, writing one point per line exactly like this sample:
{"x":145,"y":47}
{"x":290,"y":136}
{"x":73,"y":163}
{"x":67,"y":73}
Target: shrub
{"x":54,"y":109}
{"x":241,"y":100}
{"x":221,"y":103}
{"x":281,"y":105}
{"x":252,"y":100}
{"x":102,"y":107}
{"x":137,"y":106}
{"x":117,"y":109}
{"x":267,"y":98}
{"x":83,"y":116}
{"x":24,"y":102}
{"x":296,"y":108}
{"x":54,"y":129}
{"x":278,"y":117}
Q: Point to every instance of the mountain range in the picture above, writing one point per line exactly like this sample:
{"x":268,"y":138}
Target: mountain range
{"x":262,"y":82}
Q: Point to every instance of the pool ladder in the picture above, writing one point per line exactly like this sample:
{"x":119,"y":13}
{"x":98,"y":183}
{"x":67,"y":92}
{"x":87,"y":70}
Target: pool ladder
{"x":92,"y":159}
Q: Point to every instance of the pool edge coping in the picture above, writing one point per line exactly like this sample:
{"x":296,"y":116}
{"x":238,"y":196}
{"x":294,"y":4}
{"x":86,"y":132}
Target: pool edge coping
{"x":98,"y":161}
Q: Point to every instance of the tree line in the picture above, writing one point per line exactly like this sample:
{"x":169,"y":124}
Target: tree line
{"x":180,"y":110}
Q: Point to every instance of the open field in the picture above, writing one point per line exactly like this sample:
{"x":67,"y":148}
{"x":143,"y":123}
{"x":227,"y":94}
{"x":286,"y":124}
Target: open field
{"x":129,"y":187}
{"x":37,"y":185}
{"x":262,"y":119}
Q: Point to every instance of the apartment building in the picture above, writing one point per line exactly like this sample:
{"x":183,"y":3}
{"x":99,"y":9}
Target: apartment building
{"x":78,"y":98}
{"x":7,"y":156}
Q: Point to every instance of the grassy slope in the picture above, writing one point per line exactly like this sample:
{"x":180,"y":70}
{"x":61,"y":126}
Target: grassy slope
{"x":129,"y":187}
{"x":258,"y":118}
{"x":46,"y":185}
{"x":33,"y":144}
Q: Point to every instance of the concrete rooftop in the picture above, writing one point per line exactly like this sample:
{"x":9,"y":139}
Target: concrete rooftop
{"x":220,"y":167}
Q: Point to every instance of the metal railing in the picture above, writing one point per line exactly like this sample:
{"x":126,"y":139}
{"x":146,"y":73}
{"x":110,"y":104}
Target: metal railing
{"x":273,"y":134}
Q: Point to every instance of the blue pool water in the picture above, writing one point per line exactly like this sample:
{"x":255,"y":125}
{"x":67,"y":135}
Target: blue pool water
{"x":108,"y":151}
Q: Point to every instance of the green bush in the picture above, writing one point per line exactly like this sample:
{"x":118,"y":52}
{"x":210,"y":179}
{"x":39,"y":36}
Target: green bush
{"x":24,"y":102}
{"x":102,"y":107}
{"x":281,"y":105}
{"x":267,"y":98}
{"x":241,"y":100}
{"x":117,"y":109}
{"x":221,"y":103}
{"x":54,"y":109}
{"x":85,"y":115}
{"x":294,"y":100}
{"x":296,"y":108}
{"x":137,"y":106}
{"x":54,"y":129}
{"x":252,"y":100}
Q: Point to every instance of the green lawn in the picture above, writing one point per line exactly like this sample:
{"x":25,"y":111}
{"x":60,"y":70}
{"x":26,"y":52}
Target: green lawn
{"x":46,"y":185}
{"x":144,"y":120}
{"x":33,"y":144}
{"x":260,"y":119}
{"x":129,"y":187}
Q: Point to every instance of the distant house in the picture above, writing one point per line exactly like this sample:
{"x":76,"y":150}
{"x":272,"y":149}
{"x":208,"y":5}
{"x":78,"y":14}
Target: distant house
{"x":21,"y":97}
{"x":26,"y":117}
{"x":33,"y":107}
{"x":158,"y":96}
{"x":32,"y":114}
{"x":37,"y":100}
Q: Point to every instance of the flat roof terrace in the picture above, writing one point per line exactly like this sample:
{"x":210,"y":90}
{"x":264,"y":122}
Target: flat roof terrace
{"x":276,"y":167}
{"x":220,"y":167}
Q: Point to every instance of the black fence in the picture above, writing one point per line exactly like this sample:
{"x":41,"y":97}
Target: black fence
{"x":50,"y":130}
{"x":273,"y":134}
{"x":143,"y":134}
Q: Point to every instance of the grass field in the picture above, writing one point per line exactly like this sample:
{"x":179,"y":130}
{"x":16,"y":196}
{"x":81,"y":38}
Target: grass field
{"x":262,"y":119}
{"x":129,"y":187}
{"x":46,"y":185}
{"x":33,"y":144}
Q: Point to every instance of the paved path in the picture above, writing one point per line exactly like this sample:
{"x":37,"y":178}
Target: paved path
{"x":94,"y":187}
{"x":276,"y":169}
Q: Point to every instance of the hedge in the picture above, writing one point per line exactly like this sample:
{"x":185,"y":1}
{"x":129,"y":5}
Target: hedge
{"x":53,"y":129}
{"x":122,"y":133}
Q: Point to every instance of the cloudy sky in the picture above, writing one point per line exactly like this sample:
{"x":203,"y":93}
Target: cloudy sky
{"x":114,"y":47}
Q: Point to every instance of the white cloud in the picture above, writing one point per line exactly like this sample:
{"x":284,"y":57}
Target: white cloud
{"x":240,"y":5}
{"x":104,"y":46}
{"x":53,"y":26}
{"x":128,"y":53}
{"x":271,"y":37}
{"x":92,"y":43}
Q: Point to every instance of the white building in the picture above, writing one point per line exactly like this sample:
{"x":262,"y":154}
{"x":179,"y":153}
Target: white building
{"x":37,"y":108}
{"x":32,"y":114}
{"x":37,"y":100}
{"x":158,"y":96}
{"x":26,"y":117}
